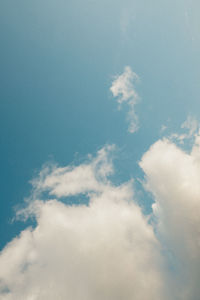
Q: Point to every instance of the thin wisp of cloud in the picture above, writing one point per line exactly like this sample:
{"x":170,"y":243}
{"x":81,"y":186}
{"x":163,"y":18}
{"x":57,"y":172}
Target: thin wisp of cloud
{"x":123,"y":88}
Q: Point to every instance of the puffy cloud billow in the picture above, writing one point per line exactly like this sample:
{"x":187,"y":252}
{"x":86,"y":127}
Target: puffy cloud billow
{"x":173,"y":176}
{"x":103,"y":250}
{"x":108,"y":249}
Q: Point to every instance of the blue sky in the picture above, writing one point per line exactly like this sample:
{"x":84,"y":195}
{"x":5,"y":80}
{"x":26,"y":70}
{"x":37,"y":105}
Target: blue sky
{"x":58,"y":62}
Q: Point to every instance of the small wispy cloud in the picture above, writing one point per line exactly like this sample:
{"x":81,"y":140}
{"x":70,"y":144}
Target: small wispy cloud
{"x":191,"y":124}
{"x":163,"y":128}
{"x":123,"y":88}
{"x":190,"y":127}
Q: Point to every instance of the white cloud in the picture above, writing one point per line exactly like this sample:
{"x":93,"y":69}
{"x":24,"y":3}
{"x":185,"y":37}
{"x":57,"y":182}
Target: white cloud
{"x":106,"y":250}
{"x":71,"y":180}
{"x":173,"y":176}
{"x":123,"y":88}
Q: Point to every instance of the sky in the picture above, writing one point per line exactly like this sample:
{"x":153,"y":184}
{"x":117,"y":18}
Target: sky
{"x":99,"y":150}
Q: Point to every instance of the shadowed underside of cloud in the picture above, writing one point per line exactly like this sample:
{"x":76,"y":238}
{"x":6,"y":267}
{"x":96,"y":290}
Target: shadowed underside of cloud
{"x":123,"y":87}
{"x":108,"y":249}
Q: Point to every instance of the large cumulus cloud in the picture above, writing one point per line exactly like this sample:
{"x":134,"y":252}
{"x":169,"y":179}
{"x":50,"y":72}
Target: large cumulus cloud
{"x":173,"y":176}
{"x":103,"y":250}
{"x":108,"y":249}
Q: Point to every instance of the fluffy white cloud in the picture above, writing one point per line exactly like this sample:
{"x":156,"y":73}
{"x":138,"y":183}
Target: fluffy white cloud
{"x":70,"y":180}
{"x":173,"y":176}
{"x":106,"y":250}
{"x":123,"y":88}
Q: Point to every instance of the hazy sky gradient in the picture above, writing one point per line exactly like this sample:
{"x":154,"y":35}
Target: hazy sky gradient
{"x":59,"y":61}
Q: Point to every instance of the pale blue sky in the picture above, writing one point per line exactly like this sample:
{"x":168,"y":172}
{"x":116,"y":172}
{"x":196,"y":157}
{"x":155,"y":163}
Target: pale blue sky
{"x":63,"y":67}
{"x":58,"y":59}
